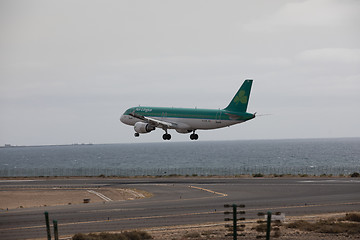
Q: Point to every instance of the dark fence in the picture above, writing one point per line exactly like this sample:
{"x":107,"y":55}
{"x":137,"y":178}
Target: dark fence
{"x":265,"y":170}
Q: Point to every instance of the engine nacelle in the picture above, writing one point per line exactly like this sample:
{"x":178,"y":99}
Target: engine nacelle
{"x":141,"y":127}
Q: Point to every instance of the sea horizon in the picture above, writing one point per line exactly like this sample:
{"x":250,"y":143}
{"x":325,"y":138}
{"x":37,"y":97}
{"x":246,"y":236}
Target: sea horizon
{"x":166,"y":142}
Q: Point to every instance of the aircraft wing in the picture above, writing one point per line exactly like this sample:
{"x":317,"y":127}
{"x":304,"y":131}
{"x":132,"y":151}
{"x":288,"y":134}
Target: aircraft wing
{"x":154,"y":122}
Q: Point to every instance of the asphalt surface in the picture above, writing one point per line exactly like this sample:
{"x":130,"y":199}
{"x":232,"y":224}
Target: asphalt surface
{"x":178,"y":201}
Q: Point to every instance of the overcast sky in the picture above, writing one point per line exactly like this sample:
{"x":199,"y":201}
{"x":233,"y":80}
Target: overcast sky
{"x":69,"y":69}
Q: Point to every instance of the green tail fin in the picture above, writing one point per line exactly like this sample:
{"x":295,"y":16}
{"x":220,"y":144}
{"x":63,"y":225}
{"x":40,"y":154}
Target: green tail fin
{"x":240,"y":101}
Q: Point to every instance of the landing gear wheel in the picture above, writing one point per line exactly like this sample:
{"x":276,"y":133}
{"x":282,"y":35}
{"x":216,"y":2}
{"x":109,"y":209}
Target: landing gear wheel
{"x":136,"y":134}
{"x":194,"y":136}
{"x":166,"y":136}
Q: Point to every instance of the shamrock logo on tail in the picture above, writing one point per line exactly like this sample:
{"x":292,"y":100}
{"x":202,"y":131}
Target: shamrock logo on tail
{"x":241,"y":98}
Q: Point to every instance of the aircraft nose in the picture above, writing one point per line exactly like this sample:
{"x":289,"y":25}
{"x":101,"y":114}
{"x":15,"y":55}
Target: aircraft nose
{"x":122,"y":118}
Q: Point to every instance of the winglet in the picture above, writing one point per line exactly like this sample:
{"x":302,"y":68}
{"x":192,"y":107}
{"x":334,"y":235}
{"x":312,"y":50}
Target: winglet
{"x":240,"y":101}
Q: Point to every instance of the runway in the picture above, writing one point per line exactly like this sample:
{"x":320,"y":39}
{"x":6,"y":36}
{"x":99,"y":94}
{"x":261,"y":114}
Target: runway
{"x":179,"y":201}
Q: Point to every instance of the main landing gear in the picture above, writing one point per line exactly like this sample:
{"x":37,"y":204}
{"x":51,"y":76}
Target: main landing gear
{"x":194,"y":136}
{"x":166,"y":136}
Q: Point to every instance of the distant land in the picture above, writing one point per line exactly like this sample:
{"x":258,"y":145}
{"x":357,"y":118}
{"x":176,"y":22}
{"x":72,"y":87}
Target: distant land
{"x":51,"y":145}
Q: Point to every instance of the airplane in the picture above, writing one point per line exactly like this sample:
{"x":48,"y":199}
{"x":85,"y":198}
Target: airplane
{"x":188,"y":120}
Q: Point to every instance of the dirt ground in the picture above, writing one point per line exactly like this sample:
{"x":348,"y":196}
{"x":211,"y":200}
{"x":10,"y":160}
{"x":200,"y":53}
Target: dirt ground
{"x":217,"y":231}
{"x":27,"y":198}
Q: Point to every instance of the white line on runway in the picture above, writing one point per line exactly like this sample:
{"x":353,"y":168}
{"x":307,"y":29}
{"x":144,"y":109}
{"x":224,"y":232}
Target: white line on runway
{"x":208,"y":190}
{"x":114,"y":210}
{"x":100,"y":195}
{"x":6,"y":181}
{"x":330,"y":181}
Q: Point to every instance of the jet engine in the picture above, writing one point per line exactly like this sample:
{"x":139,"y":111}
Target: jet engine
{"x":141,"y":127}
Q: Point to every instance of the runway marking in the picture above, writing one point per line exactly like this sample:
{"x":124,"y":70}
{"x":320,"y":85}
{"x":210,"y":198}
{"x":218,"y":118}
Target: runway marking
{"x":11,"y":181}
{"x":305,"y":206}
{"x":330,"y":181}
{"x":114,"y":220}
{"x":136,"y":194}
{"x":113,"y":210}
{"x":100,"y":195}
{"x":178,"y":215}
{"x":208,"y":190}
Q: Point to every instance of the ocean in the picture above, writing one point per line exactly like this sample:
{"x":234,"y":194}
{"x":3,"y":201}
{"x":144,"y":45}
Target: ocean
{"x":298,"y":156}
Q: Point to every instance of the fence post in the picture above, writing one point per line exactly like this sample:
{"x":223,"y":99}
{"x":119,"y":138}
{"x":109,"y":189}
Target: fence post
{"x":234,"y":227}
{"x":47,"y":225}
{"x":234,"y":221}
{"x":56,"y":233}
{"x":268,"y":228}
